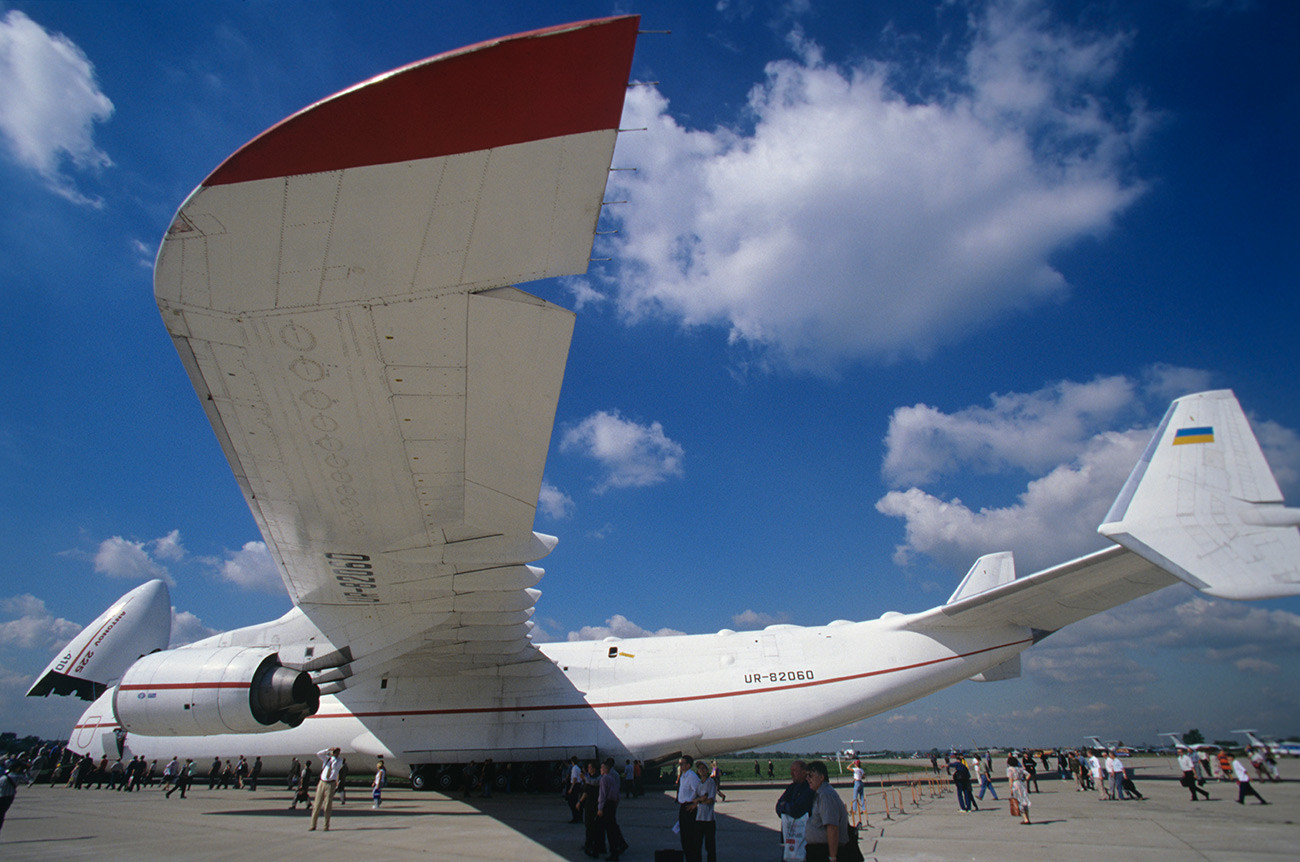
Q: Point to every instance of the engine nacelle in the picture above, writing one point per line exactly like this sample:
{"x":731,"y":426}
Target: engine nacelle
{"x":201,"y":692}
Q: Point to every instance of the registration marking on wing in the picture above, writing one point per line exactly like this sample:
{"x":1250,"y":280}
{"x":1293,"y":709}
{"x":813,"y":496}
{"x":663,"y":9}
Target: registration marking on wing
{"x":355,"y":574}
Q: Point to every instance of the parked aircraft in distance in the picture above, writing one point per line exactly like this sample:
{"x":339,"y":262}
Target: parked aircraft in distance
{"x":341,"y":293}
{"x":1114,"y":746}
{"x":1179,"y":745}
{"x":1289,"y":748}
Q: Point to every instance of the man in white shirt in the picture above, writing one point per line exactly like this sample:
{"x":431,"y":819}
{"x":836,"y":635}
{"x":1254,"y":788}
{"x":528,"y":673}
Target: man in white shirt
{"x":688,"y":789}
{"x":1116,"y":767}
{"x":573,"y":790}
{"x":329,"y":777}
{"x":1188,"y":766}
{"x":1098,"y":777}
{"x":1243,"y":783}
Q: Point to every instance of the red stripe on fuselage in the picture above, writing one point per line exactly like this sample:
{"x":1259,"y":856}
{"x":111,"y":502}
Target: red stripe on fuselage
{"x":559,"y":81}
{"x":171,"y":686}
{"x":487,"y":710}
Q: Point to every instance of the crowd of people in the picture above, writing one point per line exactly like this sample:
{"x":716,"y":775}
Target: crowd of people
{"x":83,"y":772}
{"x":592,"y":794}
{"x":810,"y":809}
{"x":1098,"y":770}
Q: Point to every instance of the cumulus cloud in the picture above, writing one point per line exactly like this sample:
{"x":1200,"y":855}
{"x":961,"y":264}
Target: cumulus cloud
{"x":1054,"y":519}
{"x":188,"y":628}
{"x":583,"y":292}
{"x":33,"y":626}
{"x":1031,"y":431}
{"x":169,"y":547}
{"x":121,"y":558}
{"x":619,"y":626}
{"x":854,"y":220}
{"x":1281,"y":447}
{"x":631,"y":454}
{"x":1205,"y":631}
{"x":49,"y":103}
{"x":554,"y":503}
{"x":751,"y":619}
{"x":252,"y":568}
{"x":1077,"y":441}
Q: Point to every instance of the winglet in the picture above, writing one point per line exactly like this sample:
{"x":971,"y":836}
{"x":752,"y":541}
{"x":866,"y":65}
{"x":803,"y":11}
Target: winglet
{"x":989,"y":571}
{"x":1202,"y":504}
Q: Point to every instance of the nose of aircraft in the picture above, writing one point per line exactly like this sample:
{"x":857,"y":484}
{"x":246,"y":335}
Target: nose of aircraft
{"x":137,"y":624}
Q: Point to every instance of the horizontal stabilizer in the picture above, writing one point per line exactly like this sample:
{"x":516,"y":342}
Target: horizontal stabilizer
{"x":1203,"y":505}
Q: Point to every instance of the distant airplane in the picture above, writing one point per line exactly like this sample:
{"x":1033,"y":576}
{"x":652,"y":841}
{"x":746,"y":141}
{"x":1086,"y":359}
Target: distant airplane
{"x":1288,"y":748}
{"x":1179,"y":745}
{"x":1109,"y":746}
{"x":340,"y":291}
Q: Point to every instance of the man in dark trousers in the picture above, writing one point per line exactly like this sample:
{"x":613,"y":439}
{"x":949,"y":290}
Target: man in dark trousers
{"x":607,"y":809}
{"x":688,"y":788}
{"x":797,"y":799}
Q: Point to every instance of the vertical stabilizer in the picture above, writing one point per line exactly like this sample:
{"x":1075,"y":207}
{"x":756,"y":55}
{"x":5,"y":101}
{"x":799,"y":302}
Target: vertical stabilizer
{"x":1202,"y":504}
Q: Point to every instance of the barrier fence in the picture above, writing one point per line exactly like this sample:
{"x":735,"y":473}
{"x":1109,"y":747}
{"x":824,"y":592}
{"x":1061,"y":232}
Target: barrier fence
{"x":891,"y":799}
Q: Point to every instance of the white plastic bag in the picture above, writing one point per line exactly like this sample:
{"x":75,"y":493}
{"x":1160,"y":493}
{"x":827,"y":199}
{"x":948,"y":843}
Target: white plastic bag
{"x":792,"y":838}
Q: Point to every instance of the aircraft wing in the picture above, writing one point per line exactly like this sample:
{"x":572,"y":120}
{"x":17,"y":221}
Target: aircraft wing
{"x":339,"y":291}
{"x":1048,"y":600}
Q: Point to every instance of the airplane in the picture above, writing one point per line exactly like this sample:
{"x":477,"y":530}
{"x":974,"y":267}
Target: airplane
{"x":1179,"y":745}
{"x":341,"y":291}
{"x":1115,"y":746}
{"x":1288,"y":748}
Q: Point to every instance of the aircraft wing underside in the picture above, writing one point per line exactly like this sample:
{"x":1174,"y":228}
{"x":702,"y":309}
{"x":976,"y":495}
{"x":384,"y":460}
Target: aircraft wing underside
{"x":340,"y":293}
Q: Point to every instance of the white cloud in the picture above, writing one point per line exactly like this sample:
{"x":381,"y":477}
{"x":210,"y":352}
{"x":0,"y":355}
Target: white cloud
{"x":188,"y":628}
{"x":1031,"y":431}
{"x":169,"y":547}
{"x":618,"y":626}
{"x":1075,"y":439}
{"x":1281,"y":448}
{"x":1054,"y":520}
{"x":582,"y":292}
{"x":49,"y":103}
{"x":857,"y":221}
{"x":1114,"y":645}
{"x":751,"y":619}
{"x":121,"y":558}
{"x":33,"y":627}
{"x":252,"y":568}
{"x":554,"y":503}
{"x":632,"y":455}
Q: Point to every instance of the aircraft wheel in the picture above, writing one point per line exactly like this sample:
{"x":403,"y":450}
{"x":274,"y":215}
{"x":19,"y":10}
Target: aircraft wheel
{"x":420,"y":779}
{"x":445,"y":780}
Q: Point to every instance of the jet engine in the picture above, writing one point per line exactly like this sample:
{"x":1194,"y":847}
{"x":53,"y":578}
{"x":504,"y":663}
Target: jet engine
{"x":207,"y":691}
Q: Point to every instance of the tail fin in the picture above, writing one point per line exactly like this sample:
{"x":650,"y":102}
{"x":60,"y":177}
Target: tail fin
{"x":1203,"y":505}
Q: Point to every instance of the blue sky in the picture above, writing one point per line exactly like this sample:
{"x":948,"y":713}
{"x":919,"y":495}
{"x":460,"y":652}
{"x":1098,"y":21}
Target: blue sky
{"x":897,"y":284}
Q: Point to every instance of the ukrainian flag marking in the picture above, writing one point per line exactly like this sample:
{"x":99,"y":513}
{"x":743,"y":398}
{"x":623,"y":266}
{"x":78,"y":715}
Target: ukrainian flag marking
{"x":1194,"y":435}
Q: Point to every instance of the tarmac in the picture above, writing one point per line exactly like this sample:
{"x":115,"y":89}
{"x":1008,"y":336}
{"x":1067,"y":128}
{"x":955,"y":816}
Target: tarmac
{"x":62,"y":824}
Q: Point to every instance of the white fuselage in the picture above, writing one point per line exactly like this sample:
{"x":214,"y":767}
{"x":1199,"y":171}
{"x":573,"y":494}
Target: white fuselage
{"x":643,"y":698}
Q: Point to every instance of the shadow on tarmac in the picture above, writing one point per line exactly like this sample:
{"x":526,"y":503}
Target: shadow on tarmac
{"x":646,"y":822}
